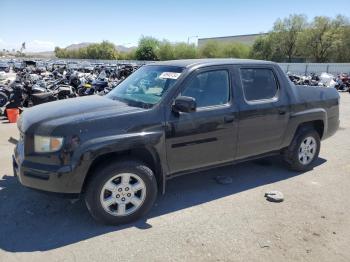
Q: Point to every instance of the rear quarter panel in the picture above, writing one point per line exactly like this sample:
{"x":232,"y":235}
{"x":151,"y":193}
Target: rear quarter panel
{"x":313,"y":103}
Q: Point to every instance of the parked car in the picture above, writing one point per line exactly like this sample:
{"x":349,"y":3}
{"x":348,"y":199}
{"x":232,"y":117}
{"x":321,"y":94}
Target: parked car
{"x":18,"y":66}
{"x":168,"y":119}
{"x":4,"y":67}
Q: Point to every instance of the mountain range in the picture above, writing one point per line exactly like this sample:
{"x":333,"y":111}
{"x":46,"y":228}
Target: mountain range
{"x":50,"y":54}
{"x":120,"y":48}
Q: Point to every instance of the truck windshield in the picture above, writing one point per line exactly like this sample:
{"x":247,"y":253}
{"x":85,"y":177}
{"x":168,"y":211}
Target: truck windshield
{"x":146,"y":86}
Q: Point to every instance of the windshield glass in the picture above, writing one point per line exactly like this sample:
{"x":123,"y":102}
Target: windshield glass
{"x":147,"y":85}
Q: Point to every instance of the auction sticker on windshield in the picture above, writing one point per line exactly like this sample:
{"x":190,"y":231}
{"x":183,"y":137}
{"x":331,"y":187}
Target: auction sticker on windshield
{"x":169,"y":75}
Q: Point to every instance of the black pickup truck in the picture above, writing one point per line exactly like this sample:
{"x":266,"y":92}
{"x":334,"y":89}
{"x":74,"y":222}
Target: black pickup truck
{"x":168,"y":119}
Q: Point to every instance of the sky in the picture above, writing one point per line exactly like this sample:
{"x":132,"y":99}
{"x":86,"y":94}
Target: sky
{"x":46,"y":24}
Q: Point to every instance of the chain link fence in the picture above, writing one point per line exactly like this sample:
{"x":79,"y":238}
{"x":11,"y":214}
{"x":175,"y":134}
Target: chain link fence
{"x":317,"y":68}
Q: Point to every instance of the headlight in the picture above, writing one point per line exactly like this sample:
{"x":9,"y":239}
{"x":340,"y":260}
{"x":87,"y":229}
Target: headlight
{"x":45,"y":144}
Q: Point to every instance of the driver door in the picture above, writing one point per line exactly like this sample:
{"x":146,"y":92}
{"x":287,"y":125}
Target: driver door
{"x":208,"y":136}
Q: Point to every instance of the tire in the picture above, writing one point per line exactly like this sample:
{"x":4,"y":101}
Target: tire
{"x":3,"y":99}
{"x":110,"y":199}
{"x":81,"y":91}
{"x":299,"y":156}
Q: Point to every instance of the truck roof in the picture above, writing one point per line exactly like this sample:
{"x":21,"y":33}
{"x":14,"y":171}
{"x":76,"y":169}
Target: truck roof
{"x":211,"y":61}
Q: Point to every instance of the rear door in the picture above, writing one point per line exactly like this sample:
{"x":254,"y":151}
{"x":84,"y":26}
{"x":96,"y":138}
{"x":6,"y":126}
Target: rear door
{"x":264,"y":111}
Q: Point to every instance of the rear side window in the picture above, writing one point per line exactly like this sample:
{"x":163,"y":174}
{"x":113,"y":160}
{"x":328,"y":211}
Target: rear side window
{"x":209,"y":88}
{"x":258,"y":84}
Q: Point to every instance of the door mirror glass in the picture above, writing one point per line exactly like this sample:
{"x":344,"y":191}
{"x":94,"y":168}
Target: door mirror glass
{"x":185,"y":104}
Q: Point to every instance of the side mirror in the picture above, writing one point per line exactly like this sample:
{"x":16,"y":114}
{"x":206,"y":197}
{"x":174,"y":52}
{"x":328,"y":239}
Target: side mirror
{"x":185,"y":104}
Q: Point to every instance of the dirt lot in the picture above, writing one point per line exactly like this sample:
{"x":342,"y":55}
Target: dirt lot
{"x":198,"y":219}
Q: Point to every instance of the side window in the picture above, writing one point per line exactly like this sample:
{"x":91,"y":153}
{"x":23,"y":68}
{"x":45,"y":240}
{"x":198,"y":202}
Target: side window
{"x":258,"y":83}
{"x":209,"y":88}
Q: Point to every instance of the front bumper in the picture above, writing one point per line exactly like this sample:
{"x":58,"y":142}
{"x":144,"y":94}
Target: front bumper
{"x":51,"y":178}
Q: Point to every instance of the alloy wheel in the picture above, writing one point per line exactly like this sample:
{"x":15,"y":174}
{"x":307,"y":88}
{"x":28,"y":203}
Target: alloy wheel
{"x":123,"y":194}
{"x":307,"y":150}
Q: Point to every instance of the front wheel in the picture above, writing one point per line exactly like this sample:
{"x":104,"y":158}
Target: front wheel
{"x":121,"y":192}
{"x":303,"y":151}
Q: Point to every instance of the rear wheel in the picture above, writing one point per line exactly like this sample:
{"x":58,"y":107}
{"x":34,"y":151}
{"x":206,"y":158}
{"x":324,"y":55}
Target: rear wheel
{"x":304,"y":150}
{"x":121,"y":192}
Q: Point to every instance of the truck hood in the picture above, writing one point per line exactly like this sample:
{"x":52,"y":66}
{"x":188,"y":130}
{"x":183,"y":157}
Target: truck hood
{"x":72,"y":110}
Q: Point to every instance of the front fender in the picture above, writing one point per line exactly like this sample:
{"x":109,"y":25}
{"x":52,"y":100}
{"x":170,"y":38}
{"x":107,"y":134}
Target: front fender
{"x":89,"y":151}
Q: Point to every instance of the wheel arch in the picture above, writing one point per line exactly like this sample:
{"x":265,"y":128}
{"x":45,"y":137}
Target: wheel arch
{"x":314,"y":118}
{"x":146,"y":155}
{"x":317,"y":125}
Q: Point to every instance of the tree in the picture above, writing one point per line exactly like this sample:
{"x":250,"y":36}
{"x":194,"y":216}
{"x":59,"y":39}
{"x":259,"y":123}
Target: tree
{"x":320,"y":39}
{"x":341,"y":51}
{"x":165,"y":51}
{"x":104,"y":50}
{"x":130,"y":55}
{"x":285,"y":35}
{"x":185,"y":51}
{"x":235,"y":50}
{"x":282,"y":42}
{"x":213,"y":49}
{"x":262,"y":48}
{"x":210,"y":49}
{"x":147,"y":49}
{"x":23,"y":47}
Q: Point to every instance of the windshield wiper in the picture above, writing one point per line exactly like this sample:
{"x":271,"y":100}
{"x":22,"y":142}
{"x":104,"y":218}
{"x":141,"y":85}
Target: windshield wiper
{"x":117,"y":99}
{"x":134,"y":103}
{"x":138,"y":103}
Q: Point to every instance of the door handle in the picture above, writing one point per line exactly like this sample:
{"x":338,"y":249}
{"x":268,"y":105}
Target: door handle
{"x":282,"y":111}
{"x":229,"y":119}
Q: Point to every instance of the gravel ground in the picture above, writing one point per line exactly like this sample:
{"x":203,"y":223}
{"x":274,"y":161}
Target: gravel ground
{"x":198,"y":219}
